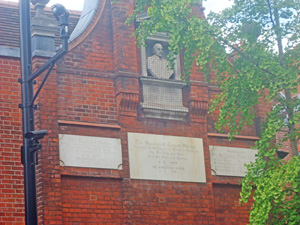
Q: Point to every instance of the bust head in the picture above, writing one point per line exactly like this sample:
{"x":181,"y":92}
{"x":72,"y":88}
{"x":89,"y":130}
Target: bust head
{"x":158,"y":50}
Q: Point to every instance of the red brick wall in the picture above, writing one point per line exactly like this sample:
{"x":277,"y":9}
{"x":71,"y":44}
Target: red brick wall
{"x":85,"y":78}
{"x":159,"y":202}
{"x":96,"y":86}
{"x":93,"y":80}
{"x":227,"y":208}
{"x":98,"y":202}
{"x":48,"y":169}
{"x":11,"y":170}
{"x":107,"y":201}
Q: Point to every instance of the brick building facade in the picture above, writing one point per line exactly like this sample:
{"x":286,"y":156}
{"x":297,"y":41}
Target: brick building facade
{"x":96,"y":92}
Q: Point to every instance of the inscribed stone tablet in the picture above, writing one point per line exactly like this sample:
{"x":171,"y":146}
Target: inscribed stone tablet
{"x":229,"y":161}
{"x":169,"y":158}
{"x":91,"y":152}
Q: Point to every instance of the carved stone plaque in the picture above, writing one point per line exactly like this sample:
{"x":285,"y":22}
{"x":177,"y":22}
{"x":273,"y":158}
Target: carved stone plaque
{"x":229,"y":161}
{"x":169,"y":158}
{"x":91,"y":152}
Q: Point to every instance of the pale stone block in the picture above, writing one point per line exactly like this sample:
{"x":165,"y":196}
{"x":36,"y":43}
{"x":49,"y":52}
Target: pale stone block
{"x":90,"y":152}
{"x":168,"y":158}
{"x":163,"y":99}
{"x":229,"y":161}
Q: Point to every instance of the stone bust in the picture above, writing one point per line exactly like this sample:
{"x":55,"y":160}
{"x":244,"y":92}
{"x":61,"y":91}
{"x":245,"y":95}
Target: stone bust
{"x":157,"y":64}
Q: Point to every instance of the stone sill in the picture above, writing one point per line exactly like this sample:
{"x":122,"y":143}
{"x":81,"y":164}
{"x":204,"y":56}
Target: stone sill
{"x":166,"y":83}
{"x":76,"y":123}
{"x":90,"y":172}
{"x":162,"y":107}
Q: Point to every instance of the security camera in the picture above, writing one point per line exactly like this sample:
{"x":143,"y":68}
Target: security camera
{"x":36,"y":135}
{"x":59,"y":11}
{"x":62,"y":15}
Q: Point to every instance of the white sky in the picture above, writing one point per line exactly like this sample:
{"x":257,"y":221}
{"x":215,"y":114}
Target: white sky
{"x":216,"y":5}
{"x":69,"y":4}
{"x":210,"y":5}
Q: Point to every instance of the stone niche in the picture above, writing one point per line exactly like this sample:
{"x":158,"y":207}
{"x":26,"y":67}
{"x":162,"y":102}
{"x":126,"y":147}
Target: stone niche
{"x":161,"y":86}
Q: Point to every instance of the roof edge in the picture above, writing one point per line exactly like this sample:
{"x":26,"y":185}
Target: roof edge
{"x":81,"y":30}
{"x":84,"y":27}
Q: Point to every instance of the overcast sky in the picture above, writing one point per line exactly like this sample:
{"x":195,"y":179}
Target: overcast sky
{"x":210,"y":5}
{"x":216,"y":5}
{"x":69,"y":4}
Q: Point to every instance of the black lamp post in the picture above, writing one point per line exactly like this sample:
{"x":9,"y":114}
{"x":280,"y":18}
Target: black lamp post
{"x":30,"y":136}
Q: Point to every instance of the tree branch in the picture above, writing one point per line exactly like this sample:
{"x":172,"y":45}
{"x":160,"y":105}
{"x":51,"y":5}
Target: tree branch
{"x":271,"y":15}
{"x":247,"y":57}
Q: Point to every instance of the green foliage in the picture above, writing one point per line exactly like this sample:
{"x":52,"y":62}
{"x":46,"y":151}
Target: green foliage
{"x":243,"y":48}
{"x":276,"y":196}
{"x":274,"y":183}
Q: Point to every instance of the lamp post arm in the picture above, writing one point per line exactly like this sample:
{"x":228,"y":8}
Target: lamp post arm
{"x":51,"y":63}
{"x":42,"y":84}
{"x":52,"y":60}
